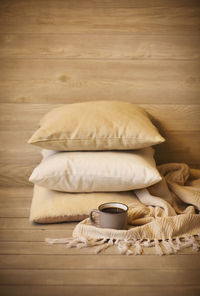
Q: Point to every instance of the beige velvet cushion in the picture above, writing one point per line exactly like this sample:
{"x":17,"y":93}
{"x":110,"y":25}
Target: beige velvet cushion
{"x":97,"y":171}
{"x":96,"y":125}
{"x":50,"y":206}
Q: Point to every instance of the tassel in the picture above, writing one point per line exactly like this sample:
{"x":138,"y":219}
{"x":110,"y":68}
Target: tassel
{"x":129,"y":252}
{"x":174,"y":247}
{"x":91,"y":243}
{"x":178,"y":243}
{"x":158,"y":248}
{"x":146,"y":243}
{"x":128,"y":244}
{"x":77,"y":243}
{"x":166,"y":245}
{"x":195,"y":245}
{"x":124,"y":247}
{"x":104,"y":246}
{"x":52,"y":241}
{"x":121,"y":247}
{"x":188,"y":242}
{"x":138,"y":248}
{"x":73,"y":244}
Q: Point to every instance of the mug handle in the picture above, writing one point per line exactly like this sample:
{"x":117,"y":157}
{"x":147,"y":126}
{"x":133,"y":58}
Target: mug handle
{"x":91,"y":216}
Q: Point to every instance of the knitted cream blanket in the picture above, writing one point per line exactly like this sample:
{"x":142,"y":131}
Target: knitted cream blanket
{"x":165,"y":216}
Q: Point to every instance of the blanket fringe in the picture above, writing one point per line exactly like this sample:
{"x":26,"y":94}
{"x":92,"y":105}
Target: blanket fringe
{"x":131,"y":247}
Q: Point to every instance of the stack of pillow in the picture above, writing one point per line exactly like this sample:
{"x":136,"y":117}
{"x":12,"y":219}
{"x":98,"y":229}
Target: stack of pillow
{"x":93,"y":152}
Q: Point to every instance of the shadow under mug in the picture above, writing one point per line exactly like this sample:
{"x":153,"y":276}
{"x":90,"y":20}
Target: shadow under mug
{"x":111,"y":215}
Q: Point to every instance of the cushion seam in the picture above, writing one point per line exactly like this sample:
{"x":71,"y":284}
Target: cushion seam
{"x":61,"y":140}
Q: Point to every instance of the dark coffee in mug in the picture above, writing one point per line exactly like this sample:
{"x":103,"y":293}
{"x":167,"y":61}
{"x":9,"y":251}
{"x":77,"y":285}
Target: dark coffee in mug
{"x":113,"y":210}
{"x":111,"y":215}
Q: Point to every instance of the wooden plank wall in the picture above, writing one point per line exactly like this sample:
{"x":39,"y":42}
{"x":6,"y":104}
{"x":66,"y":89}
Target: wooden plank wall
{"x":62,"y":51}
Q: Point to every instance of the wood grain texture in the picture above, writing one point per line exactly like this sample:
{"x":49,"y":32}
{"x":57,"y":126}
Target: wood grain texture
{"x":12,"y":203}
{"x":82,"y":46}
{"x":8,"y":5}
{"x":109,"y":262}
{"x":20,"y":212}
{"x":24,"y":223}
{"x":166,"y":117}
{"x":87,"y":277}
{"x":13,"y":194}
{"x":179,"y":147}
{"x":31,"y":235}
{"x":98,"y":290}
{"x":53,"y":17}
{"x":66,"y":81}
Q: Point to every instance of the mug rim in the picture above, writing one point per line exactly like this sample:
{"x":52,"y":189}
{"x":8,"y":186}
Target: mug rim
{"x":113,"y":202}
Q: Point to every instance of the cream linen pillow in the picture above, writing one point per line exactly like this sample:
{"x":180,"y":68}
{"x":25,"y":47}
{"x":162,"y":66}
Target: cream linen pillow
{"x":97,"y":171}
{"x":50,"y":206}
{"x":98,"y":125}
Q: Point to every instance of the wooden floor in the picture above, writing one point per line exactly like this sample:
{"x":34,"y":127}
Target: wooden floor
{"x":28,"y":266}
